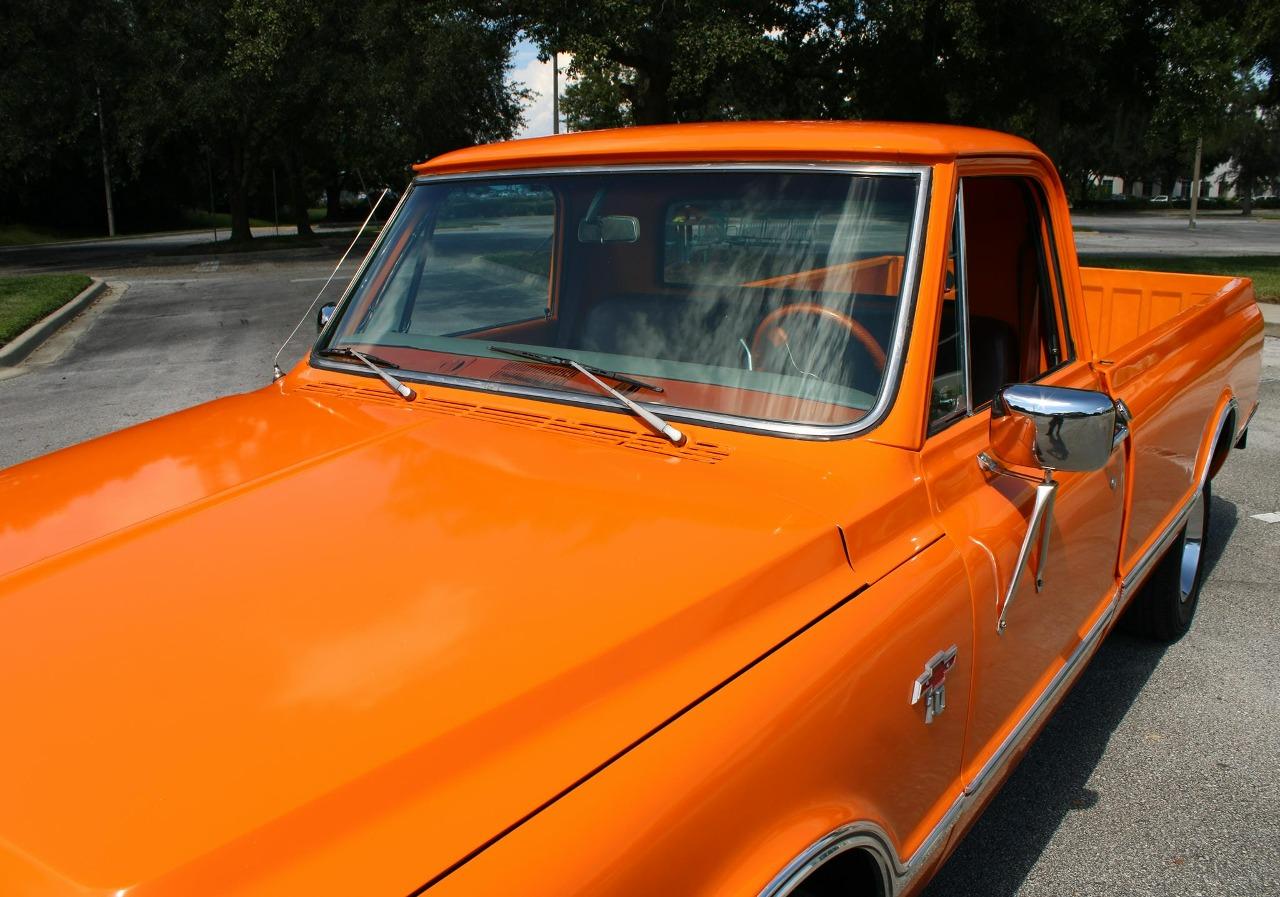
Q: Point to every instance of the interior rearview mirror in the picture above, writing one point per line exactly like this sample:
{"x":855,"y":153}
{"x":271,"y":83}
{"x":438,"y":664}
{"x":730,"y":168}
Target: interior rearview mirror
{"x":609,"y":229}
{"x":323,"y":316}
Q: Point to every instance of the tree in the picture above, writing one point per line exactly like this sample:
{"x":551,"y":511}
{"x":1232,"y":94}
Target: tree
{"x":669,"y":60}
{"x":1252,"y":139}
{"x":49,"y":106}
{"x":598,"y":98}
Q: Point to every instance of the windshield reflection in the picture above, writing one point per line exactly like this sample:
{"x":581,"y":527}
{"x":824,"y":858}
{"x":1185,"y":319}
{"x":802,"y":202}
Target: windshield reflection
{"x":771,"y":295}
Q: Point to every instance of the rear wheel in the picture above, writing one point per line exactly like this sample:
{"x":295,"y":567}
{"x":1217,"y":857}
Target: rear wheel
{"x":1163,"y":609}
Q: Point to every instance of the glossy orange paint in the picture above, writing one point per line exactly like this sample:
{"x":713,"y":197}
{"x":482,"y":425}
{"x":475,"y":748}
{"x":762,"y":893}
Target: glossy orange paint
{"x":318,"y":640}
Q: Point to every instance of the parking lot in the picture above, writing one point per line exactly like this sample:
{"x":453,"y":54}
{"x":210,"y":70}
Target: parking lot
{"x":1157,"y":775}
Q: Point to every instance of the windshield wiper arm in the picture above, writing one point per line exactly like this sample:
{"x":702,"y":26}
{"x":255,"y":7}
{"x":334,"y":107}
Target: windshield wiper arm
{"x":375,"y":364}
{"x":658,"y":424}
{"x":560,"y":361}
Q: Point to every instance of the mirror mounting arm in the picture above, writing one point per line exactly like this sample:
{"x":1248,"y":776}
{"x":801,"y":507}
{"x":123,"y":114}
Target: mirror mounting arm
{"x":1039,"y":525}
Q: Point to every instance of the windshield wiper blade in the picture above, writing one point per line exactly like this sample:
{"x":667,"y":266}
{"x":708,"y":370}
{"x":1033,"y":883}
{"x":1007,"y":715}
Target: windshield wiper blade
{"x":347,"y":351}
{"x":561,"y":361}
{"x":375,"y":364}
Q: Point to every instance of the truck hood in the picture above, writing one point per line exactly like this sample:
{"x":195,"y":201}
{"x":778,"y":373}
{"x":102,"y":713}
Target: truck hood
{"x":256,"y":645}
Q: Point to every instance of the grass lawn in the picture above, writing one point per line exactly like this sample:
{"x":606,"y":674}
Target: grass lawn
{"x":1264,"y":269}
{"x":26,"y":235}
{"x":25,"y":300}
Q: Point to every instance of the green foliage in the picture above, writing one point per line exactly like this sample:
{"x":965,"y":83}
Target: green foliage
{"x":330,"y":95}
{"x":334,"y":96}
{"x":667,"y":61}
{"x":598,"y":98}
{"x":25,"y":300}
{"x":1115,"y":86}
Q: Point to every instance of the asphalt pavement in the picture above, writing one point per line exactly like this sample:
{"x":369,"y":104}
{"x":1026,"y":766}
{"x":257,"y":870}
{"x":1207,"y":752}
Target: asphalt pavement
{"x":1172,"y":235}
{"x":1155,"y":777}
{"x":166,"y":338}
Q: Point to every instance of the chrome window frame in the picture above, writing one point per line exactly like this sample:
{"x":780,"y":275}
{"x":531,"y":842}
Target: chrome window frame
{"x":965,"y":411}
{"x":890,"y":383}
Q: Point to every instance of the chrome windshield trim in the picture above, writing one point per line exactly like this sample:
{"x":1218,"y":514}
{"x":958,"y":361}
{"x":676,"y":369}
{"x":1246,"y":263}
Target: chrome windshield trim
{"x":902,"y":325}
{"x":905,"y":168}
{"x":815,"y":432}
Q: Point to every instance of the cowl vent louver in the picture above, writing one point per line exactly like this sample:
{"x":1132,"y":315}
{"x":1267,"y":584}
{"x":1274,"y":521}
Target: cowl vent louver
{"x":704,"y":452}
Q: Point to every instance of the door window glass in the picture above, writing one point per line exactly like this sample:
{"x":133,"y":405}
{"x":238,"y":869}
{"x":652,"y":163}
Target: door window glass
{"x":1016,"y":330}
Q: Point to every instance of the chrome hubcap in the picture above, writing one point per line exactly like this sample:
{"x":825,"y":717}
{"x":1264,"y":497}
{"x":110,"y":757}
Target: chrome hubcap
{"x":1192,"y":539}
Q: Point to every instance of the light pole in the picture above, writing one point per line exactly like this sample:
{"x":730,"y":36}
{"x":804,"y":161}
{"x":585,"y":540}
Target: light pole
{"x":106,"y":170}
{"x":555,"y":93}
{"x":1195,"y":181}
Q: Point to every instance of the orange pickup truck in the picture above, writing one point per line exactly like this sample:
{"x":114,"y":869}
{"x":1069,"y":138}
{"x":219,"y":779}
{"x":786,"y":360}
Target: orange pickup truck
{"x":696,"y":510}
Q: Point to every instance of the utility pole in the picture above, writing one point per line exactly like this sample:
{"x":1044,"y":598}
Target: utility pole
{"x":555,"y":93}
{"x":212,"y":219}
{"x":275,"y":203}
{"x":106,"y":169}
{"x":1195,"y":181}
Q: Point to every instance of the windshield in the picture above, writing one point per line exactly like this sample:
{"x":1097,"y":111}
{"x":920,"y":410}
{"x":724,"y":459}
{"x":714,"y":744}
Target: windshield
{"x":766,"y":295}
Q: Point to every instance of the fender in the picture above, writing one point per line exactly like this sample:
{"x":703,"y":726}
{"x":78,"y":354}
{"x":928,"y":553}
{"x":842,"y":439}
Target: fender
{"x":1224,"y":414}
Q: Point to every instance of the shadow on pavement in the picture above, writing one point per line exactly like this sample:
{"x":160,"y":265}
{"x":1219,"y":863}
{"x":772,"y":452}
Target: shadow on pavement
{"x":1223,"y":518}
{"x":996,"y":856}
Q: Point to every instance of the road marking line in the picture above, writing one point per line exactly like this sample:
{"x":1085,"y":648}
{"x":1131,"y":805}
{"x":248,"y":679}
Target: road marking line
{"x":1273,"y":517}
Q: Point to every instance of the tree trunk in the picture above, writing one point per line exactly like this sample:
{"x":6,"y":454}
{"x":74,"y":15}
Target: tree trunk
{"x":650,"y":104}
{"x":333,"y":201}
{"x":298,"y":204}
{"x":1244,"y":187}
{"x":238,"y":193}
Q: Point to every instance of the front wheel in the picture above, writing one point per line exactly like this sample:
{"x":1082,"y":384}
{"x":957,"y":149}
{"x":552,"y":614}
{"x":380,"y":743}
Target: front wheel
{"x":1163,"y":609}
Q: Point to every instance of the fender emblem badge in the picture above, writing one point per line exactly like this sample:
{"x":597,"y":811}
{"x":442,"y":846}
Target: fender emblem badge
{"x":931,"y":685}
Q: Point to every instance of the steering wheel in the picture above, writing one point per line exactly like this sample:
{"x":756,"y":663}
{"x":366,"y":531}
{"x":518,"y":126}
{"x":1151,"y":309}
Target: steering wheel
{"x":770,"y":329}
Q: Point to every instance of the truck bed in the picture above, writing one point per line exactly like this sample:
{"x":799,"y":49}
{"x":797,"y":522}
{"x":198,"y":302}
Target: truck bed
{"x":1124,"y":305}
{"x":1183,"y":351}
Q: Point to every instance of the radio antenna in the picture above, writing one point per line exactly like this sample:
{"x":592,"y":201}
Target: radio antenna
{"x":276,"y":373}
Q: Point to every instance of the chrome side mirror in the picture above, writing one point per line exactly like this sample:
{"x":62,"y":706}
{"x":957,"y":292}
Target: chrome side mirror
{"x":324,"y":315}
{"x":1045,"y":428}
{"x":1052,"y":428}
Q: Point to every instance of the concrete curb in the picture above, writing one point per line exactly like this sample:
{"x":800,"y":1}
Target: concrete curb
{"x":26,"y":342}
{"x":1270,"y":318}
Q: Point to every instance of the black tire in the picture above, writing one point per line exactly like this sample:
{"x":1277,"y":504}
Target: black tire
{"x":1164,"y":607}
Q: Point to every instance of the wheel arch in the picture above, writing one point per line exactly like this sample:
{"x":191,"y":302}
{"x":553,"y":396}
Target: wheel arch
{"x":1219,"y":437}
{"x":858,"y":854}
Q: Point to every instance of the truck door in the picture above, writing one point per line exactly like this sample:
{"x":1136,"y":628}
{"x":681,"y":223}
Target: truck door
{"x":1003,"y":322}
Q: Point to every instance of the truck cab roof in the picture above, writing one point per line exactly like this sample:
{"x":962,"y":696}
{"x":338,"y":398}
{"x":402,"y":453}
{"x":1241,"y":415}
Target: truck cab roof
{"x":756,"y":141}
